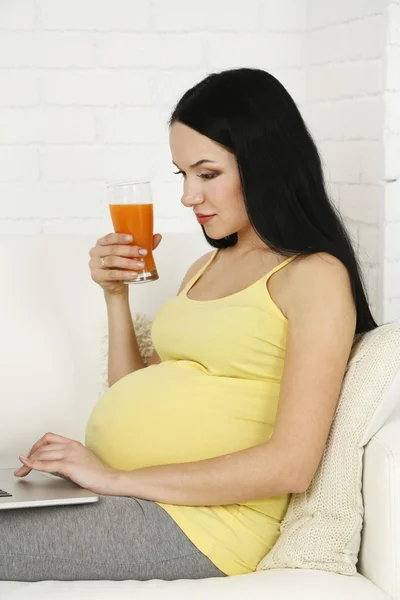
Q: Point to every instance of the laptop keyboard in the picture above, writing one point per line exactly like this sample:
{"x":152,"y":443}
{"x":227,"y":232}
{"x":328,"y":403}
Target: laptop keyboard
{"x":4,"y":494}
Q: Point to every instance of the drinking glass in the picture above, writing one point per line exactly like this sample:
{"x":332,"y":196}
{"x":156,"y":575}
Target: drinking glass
{"x":131,"y":210}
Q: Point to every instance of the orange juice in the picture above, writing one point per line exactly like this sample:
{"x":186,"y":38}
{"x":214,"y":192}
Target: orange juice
{"x":136,"y":219}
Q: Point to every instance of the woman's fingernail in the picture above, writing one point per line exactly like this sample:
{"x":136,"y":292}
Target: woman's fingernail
{"x":143,"y":251}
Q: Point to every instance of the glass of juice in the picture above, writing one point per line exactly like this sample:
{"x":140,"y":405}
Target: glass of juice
{"x":131,"y":210}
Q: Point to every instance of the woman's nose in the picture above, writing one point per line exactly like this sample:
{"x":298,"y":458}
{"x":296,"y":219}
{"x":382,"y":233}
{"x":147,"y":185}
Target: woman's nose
{"x":192,"y":199}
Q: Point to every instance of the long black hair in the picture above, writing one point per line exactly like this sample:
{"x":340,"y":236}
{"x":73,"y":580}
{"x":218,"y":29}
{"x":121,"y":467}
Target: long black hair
{"x":250,"y":113}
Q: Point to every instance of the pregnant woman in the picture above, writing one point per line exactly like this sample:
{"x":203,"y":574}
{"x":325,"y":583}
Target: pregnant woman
{"x":195,"y":455}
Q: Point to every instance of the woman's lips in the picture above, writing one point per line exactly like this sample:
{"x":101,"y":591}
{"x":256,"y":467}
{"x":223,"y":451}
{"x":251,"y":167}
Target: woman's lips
{"x":204,"y":219}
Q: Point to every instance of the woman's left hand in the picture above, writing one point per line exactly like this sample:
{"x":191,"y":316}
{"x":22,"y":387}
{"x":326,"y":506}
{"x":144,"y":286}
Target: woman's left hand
{"x":57,"y":454}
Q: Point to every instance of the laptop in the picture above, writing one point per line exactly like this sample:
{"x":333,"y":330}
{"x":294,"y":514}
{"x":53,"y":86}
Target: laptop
{"x":40,"y":489}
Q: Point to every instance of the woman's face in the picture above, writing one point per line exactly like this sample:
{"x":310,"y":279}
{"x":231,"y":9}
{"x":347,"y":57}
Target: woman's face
{"x":210,"y":188}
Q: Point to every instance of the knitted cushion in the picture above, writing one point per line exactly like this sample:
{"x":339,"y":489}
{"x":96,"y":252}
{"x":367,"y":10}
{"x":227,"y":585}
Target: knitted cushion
{"x":322,"y":526}
{"x":142,"y":325}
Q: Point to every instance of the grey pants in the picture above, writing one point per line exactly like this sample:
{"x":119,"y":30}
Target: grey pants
{"x":116,"y":538}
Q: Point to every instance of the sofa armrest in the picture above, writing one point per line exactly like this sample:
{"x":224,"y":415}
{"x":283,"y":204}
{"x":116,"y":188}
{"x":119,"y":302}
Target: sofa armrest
{"x":379,"y":558}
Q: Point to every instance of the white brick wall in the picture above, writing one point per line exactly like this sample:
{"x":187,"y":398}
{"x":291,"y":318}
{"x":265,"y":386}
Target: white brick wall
{"x":353,"y":109}
{"x":391,"y":251}
{"x":345,"y":111}
{"x":85,"y":94}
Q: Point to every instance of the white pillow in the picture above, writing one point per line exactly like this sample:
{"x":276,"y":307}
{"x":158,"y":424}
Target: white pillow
{"x":322,"y":526}
{"x":142,"y":325}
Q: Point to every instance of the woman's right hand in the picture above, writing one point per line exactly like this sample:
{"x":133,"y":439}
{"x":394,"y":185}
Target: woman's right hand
{"x":120,"y":261}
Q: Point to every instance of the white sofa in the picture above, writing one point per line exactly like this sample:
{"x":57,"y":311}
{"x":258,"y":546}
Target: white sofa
{"x":50,"y":321}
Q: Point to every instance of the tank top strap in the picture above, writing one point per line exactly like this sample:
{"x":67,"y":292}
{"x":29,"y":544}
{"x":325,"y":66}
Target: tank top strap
{"x":278,"y":267}
{"x":193,"y":280}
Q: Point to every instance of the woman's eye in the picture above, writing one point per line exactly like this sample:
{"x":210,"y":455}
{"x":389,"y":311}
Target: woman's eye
{"x":202,"y":176}
{"x":208,"y":175}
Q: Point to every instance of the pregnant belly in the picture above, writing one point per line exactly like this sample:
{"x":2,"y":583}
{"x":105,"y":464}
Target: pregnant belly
{"x":175,"y":412}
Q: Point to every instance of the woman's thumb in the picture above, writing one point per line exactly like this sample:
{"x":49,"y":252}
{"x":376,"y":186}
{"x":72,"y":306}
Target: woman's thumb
{"x":157,"y":237}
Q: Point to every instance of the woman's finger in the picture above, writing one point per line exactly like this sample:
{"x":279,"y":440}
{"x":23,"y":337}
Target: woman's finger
{"x":48,"y":438}
{"x":156,"y":240}
{"x":48,"y":455}
{"x":24,"y":469}
{"x":50,"y":448}
{"x":55,"y":437}
{"x":43,"y":441}
{"x":54,"y":446}
{"x":42,"y":465}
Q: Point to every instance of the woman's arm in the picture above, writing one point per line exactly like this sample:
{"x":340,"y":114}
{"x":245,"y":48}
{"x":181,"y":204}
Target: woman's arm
{"x":123,"y":351}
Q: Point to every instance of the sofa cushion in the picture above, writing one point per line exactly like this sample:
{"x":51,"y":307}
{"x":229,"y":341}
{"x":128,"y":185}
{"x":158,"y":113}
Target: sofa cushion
{"x":322,"y":526}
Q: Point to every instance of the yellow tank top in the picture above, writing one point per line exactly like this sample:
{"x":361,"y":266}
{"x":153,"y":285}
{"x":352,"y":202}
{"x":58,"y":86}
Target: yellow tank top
{"x":215,"y":392}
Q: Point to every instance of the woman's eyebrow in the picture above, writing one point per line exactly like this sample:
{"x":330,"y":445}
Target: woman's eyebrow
{"x":196,"y":164}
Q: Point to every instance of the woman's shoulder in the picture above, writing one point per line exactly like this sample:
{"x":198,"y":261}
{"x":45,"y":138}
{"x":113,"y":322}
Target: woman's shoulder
{"x":318,"y":262}
{"x":309,"y":273}
{"x":306,"y":271}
